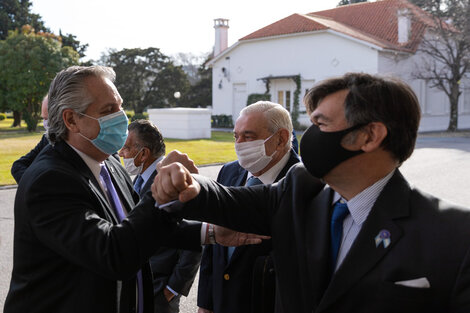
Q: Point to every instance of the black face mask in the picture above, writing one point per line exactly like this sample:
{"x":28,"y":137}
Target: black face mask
{"x":322,"y":151}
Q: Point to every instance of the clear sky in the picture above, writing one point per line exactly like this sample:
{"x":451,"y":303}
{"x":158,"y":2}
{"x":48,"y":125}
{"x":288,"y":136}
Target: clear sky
{"x":172,"y":25}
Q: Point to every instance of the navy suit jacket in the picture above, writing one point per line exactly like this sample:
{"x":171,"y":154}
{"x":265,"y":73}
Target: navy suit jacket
{"x":173,"y":267}
{"x":246,"y":282}
{"x":429,"y":239}
{"x":69,"y":256}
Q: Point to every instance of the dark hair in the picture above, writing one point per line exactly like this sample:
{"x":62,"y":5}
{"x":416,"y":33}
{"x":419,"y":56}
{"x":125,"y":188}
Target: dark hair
{"x":148,"y":136}
{"x":375,"y":99}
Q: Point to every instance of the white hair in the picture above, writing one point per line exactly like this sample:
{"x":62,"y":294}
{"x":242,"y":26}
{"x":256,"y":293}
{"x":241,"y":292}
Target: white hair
{"x":276,"y":116}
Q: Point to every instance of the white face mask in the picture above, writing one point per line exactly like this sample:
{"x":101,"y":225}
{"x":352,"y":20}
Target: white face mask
{"x":252,"y":155}
{"x":130,"y":165}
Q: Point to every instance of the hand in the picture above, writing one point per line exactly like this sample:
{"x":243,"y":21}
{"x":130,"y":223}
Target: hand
{"x":230,"y":238}
{"x":168,"y":294}
{"x":202,"y":310}
{"x":174,"y":182}
{"x":176,"y":156}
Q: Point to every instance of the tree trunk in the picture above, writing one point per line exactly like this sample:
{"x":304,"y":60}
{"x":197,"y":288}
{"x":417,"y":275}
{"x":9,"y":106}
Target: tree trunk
{"x":16,"y":119}
{"x":454,"y":107}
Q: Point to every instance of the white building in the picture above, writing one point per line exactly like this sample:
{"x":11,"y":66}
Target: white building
{"x":373,"y":37}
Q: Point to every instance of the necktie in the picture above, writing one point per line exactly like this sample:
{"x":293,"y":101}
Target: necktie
{"x":250,"y":182}
{"x":116,"y":203}
{"x":340,"y":211}
{"x":138,"y":184}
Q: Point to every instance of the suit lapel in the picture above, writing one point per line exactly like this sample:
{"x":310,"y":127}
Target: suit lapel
{"x":316,"y":223}
{"x":120,"y":185}
{"x":364,"y":253}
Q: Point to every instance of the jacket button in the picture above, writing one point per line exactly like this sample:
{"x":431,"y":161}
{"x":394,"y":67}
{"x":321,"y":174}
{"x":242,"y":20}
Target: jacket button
{"x":226,"y":276}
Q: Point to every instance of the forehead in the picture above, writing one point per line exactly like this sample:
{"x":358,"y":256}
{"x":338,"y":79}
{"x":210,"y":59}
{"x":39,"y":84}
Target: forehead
{"x":331,"y":107}
{"x":103,"y":92}
{"x":255,"y":122}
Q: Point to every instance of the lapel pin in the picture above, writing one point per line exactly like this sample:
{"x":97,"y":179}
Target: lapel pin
{"x":382,"y":237}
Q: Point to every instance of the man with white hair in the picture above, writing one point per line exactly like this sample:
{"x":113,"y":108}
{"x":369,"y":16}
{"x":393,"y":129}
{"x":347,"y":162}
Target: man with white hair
{"x":241,"y":279}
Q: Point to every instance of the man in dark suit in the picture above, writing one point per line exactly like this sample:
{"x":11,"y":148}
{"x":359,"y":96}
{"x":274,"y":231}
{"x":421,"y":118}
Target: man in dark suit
{"x":80,"y":243}
{"x":233,"y":280}
{"x":173,"y":270}
{"x":368,"y":241}
{"x":19,"y":166}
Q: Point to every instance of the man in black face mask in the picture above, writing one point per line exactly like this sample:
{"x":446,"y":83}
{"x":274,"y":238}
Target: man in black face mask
{"x":366,"y":242}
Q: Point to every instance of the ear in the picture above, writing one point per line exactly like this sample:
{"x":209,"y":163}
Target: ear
{"x":145,"y":154}
{"x":283,"y":138}
{"x":375,"y":134}
{"x":70,"y":120}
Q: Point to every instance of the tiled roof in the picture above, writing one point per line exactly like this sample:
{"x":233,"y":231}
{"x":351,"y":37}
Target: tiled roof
{"x":373,"y":22}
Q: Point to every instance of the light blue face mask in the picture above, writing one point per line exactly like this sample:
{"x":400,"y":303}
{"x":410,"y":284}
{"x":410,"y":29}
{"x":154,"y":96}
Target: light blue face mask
{"x":113,"y":132}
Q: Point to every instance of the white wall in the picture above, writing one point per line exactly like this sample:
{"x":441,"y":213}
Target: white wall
{"x":314,"y":56}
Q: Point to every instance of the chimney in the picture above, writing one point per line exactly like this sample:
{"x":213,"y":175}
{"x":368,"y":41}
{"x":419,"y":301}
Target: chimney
{"x":404,"y":26}
{"x":221,"y":35}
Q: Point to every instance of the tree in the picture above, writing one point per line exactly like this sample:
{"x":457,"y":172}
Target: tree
{"x":16,"y":13}
{"x":446,"y":50}
{"x":70,"y":40}
{"x":200,"y":94}
{"x":146,"y":78}
{"x":28,"y":63}
{"x":346,"y":2}
{"x":190,"y":63}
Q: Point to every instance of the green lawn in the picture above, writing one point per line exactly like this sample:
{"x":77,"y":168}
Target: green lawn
{"x":15,"y":142}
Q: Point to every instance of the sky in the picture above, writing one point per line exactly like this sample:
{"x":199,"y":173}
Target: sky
{"x":173,"y":25}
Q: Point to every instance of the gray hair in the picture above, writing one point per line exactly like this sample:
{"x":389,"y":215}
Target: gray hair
{"x":276,"y":116}
{"x":68,"y":91}
{"x":148,"y":136}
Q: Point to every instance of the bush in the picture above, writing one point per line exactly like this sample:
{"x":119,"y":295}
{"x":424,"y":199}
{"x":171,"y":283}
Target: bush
{"x":255,"y":97}
{"x":224,"y":121}
{"x":140,"y":116}
{"x":2,"y":116}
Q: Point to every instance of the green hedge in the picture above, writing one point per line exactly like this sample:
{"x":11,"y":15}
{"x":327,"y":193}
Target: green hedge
{"x":2,"y":116}
{"x":255,"y":97}
{"x":223,"y":121}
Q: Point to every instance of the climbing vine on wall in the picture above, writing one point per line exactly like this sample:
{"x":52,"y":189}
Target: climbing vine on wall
{"x":295,"y":109}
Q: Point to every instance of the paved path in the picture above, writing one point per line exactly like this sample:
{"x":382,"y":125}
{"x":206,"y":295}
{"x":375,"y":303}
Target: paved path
{"x":440,"y":166}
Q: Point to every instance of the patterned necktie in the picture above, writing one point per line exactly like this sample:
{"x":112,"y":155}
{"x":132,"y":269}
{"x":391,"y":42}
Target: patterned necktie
{"x":340,"y":211}
{"x":116,"y":203}
{"x":138,"y":184}
{"x":250,"y":182}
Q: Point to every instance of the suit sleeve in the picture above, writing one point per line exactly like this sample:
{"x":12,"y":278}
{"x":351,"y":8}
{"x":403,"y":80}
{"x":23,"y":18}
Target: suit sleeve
{"x":19,"y":166}
{"x":461,"y":292}
{"x":62,"y":211}
{"x":205,"y":287}
{"x":185,"y":270}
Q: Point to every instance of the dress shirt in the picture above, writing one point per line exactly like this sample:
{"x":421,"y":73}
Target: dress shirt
{"x":270,"y":175}
{"x":359,"y":208}
{"x":149,"y":171}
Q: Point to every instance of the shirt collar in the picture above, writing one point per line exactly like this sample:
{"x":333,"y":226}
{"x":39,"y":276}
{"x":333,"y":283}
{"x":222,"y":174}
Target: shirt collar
{"x":361,"y":205}
{"x":93,"y":165}
{"x":149,"y":171}
{"x":270,"y":175}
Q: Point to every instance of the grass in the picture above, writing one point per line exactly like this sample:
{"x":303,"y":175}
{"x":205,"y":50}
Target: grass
{"x":15,"y":142}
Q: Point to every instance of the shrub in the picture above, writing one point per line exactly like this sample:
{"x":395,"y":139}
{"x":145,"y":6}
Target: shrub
{"x":224,"y":121}
{"x":140,"y":116}
{"x":2,"y":116}
{"x":255,"y":97}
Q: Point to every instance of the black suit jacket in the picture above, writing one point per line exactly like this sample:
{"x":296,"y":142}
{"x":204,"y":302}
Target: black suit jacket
{"x":69,"y":253}
{"x":20,"y":165}
{"x":173,"y":267}
{"x":429,"y":239}
{"x":246,"y":282}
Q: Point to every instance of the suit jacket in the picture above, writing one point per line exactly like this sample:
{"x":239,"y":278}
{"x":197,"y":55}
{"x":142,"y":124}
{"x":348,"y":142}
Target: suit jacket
{"x":246,"y":282}
{"x":429,"y":239}
{"x":173,"y":267}
{"x":69,"y":256}
{"x":20,"y":165}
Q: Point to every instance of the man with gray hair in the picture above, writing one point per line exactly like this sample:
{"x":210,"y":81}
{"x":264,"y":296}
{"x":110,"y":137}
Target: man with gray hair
{"x":173,"y":270}
{"x":81,"y":244}
{"x":234,"y":280}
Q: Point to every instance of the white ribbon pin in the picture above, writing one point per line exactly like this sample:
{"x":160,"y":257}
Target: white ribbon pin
{"x":383,"y":237}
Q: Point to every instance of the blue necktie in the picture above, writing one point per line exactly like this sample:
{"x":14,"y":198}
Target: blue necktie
{"x":138,"y":184}
{"x":116,"y":203}
{"x":250,"y":182}
{"x":340,"y":211}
